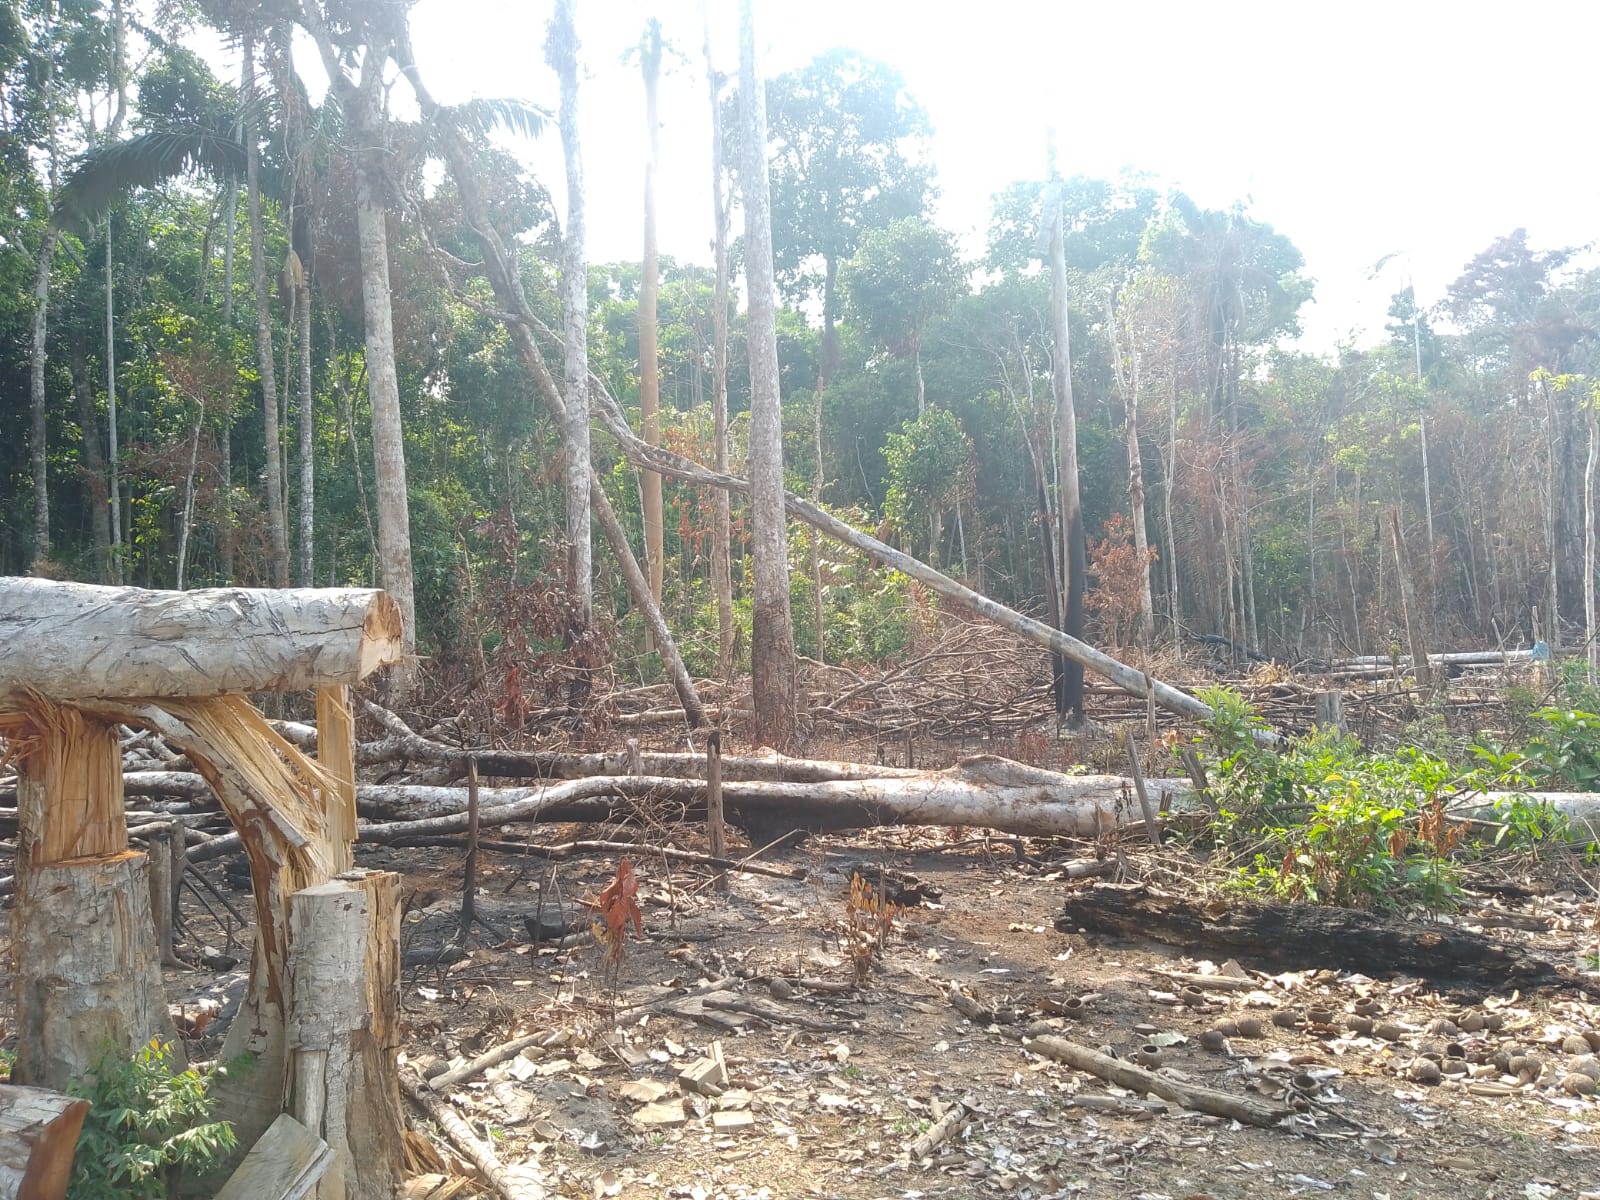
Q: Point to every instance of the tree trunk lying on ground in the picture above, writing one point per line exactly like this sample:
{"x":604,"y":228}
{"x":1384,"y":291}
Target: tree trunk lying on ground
{"x":1301,"y":936}
{"x":980,"y":792}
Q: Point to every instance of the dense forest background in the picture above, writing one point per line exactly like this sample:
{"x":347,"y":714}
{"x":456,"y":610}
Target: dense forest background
{"x":186,"y":370}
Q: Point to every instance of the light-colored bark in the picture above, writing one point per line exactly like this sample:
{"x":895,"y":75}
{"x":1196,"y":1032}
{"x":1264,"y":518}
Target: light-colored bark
{"x":383,"y":384}
{"x":982,"y":791}
{"x":721,"y":518}
{"x":1128,"y":362}
{"x":1409,"y":616}
{"x":508,"y":291}
{"x":94,"y":462}
{"x":342,"y":1025}
{"x":649,"y":286}
{"x":561,"y":51}
{"x":772,"y":637}
{"x":186,"y":518}
{"x":1073,"y":559}
{"x":38,"y":457}
{"x":1591,"y":631}
{"x":115,"y":454}
{"x":93,"y":973}
{"x":78,"y":641}
{"x":308,"y":424}
{"x":278,"y":564}
{"x":285,"y":1164}
{"x":362,"y":100}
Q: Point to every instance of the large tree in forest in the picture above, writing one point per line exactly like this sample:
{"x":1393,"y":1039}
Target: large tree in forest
{"x":844,"y":160}
{"x":360,"y":94}
{"x":772,"y":635}
{"x":561,"y":50}
{"x":649,"y":288}
{"x":1072,"y":561}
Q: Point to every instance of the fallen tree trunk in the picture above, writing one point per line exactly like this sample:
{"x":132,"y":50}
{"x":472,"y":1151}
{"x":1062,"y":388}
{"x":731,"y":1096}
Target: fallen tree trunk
{"x":1300,"y":936}
{"x":79,"y":641}
{"x":982,"y":792}
{"x":1193,"y":1096}
{"x":1459,"y":658}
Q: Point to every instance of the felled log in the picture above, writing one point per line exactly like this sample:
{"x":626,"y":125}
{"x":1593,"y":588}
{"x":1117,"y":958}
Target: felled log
{"x":983,"y":791}
{"x":1304,"y":936}
{"x":1193,"y":1096}
{"x":75,"y":641}
{"x":38,"y":1136}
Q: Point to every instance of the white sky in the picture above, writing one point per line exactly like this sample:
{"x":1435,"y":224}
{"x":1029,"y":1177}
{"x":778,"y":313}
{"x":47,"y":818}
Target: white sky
{"x":1357,"y":128}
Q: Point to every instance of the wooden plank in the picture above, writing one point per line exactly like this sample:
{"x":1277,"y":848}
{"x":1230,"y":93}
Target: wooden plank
{"x":285,"y":1164}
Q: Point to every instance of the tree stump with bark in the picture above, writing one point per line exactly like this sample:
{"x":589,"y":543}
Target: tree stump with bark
{"x":77,"y":661}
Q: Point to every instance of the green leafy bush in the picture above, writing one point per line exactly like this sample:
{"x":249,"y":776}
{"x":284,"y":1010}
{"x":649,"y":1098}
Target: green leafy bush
{"x":147,"y":1123}
{"x":1317,"y":819}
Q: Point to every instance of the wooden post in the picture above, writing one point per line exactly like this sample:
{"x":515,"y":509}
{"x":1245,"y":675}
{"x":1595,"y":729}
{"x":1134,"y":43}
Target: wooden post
{"x":715,"y":828}
{"x":38,"y":1135}
{"x":469,"y":868}
{"x":159,"y":837}
{"x":344,"y":997}
{"x":1151,"y":825}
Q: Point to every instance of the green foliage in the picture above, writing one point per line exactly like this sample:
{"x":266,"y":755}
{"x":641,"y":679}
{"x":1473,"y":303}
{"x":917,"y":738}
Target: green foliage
{"x":925,"y":461}
{"x":147,"y":1124}
{"x":1564,"y":752}
{"x":1319,"y":820}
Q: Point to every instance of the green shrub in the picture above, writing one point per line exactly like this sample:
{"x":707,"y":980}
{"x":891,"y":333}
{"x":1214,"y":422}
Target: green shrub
{"x":147,"y":1123}
{"x":1317,"y":819}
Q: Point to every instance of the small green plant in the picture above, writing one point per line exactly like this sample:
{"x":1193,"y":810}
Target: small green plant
{"x":1528,"y":824}
{"x":1565,"y":749}
{"x":147,"y":1123}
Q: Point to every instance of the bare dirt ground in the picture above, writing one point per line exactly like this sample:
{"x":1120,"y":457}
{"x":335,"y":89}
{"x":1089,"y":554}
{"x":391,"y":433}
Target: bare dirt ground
{"x":829,"y":1086}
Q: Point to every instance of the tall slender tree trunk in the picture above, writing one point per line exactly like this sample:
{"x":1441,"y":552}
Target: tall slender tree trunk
{"x":772,"y":637}
{"x":1553,"y":519}
{"x":561,"y":51}
{"x":308,"y":422}
{"x":115,"y":451}
{"x":225,"y":417}
{"x":649,"y":287}
{"x":186,"y":522}
{"x":1591,"y":618}
{"x":37,"y":449}
{"x":1128,"y":369}
{"x":721,"y":518}
{"x":1074,"y":559}
{"x":279,"y":563}
{"x":94,"y":462}
{"x":383,"y":383}
{"x":1168,"y":529}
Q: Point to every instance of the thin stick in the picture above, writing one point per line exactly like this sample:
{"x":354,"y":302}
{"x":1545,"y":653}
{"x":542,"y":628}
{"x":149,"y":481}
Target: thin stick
{"x":1151,"y":825}
{"x":469,"y":870}
{"x":480,"y":1153}
{"x":714,"y":824}
{"x":486,"y":1060}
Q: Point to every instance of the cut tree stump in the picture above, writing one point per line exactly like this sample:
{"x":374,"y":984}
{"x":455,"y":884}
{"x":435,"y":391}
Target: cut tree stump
{"x":38,"y":1137}
{"x":344,"y":1003}
{"x":1301,"y":936}
{"x":75,"y":662}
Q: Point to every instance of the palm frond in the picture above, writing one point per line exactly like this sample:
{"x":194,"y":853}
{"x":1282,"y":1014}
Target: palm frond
{"x":482,"y":117}
{"x":146,"y":160}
